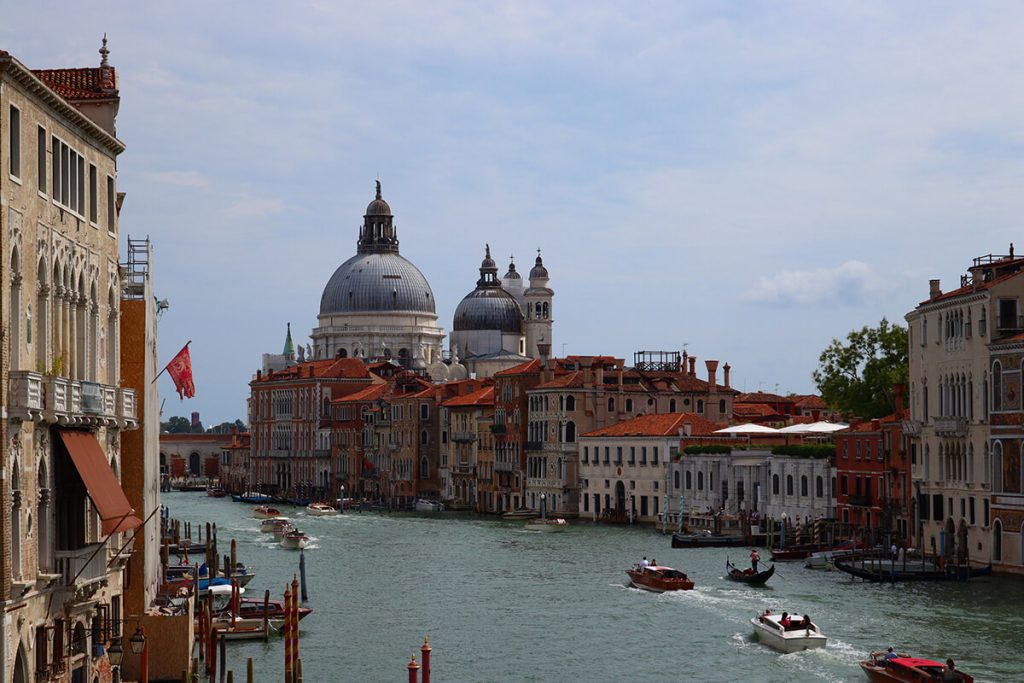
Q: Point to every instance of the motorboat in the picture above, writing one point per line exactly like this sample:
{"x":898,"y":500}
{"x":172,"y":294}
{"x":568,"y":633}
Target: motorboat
{"x":320,"y":510}
{"x":271,"y":524}
{"x":707,"y":540}
{"x":252,"y":608}
{"x":748,"y":575}
{"x":799,"y":551}
{"x":294,"y":540}
{"x":659,"y":579}
{"x":826,"y":559}
{"x":796,"y":637}
{"x":425,"y":505}
{"x":521,"y":513}
{"x":547,"y":525}
{"x":265,"y":512}
{"x":904,"y":669}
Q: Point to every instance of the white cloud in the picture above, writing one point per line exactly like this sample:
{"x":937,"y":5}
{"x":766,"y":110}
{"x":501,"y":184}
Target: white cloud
{"x":849,"y":283}
{"x":189,"y":179}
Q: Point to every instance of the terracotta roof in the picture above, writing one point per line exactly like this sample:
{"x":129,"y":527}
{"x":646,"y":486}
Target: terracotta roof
{"x":979,"y":286}
{"x":764,"y":397}
{"x":664,"y":424}
{"x":522,"y":368}
{"x":88,"y":83}
{"x":572,"y":380}
{"x":333,"y":368}
{"x":213,"y":438}
{"x":758,"y":409}
{"x":370,"y":393}
{"x":480,"y":397}
{"x":811,"y":401}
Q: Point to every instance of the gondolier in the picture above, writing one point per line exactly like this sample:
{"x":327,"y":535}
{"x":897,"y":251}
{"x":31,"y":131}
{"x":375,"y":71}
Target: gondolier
{"x":755,"y":557}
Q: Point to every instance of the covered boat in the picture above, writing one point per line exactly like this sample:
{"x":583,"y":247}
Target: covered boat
{"x":265,"y":512}
{"x":294,"y":540}
{"x":748,"y":575}
{"x":547,"y":525}
{"x":659,"y":579}
{"x":320,"y":510}
{"x":903,"y":669}
{"x":271,"y":524}
{"x":798,"y":636}
{"x":519,"y":513}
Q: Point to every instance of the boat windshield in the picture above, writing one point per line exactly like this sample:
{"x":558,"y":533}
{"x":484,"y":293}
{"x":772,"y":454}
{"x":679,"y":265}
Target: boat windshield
{"x":672,"y":574}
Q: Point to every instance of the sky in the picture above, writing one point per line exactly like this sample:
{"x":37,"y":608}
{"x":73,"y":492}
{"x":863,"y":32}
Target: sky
{"x":743,"y":180}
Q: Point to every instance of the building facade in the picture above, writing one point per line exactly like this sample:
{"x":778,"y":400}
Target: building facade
{"x":1007,"y":435}
{"x":64,"y":516}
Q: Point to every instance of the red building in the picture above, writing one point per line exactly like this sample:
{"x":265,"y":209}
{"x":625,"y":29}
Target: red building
{"x":873,"y":475}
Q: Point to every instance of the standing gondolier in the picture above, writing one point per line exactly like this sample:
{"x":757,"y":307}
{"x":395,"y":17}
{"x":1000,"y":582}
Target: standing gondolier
{"x":755,"y":557}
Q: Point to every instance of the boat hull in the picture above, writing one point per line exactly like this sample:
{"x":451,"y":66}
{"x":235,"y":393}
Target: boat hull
{"x":294,"y":543}
{"x":789,"y":641}
{"x":547,"y":526}
{"x":758,"y":579}
{"x":428,"y":506}
{"x":650,"y":582}
{"x":318,"y":511}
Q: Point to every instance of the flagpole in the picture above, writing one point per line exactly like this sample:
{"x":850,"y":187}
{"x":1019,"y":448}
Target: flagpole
{"x":175,"y":356}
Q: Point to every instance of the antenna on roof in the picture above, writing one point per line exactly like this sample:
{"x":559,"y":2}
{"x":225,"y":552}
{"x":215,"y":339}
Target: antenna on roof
{"x":104,"y":52}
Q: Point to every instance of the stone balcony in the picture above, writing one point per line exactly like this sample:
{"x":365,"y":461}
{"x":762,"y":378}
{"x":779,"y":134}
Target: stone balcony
{"x":464,"y":437}
{"x":84,"y":570}
{"x":500,"y":466}
{"x":912,"y":427}
{"x":951,"y":426}
{"x":64,"y":401}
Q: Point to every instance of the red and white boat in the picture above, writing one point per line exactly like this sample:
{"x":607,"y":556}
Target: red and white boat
{"x":903,"y":669}
{"x":659,"y":579}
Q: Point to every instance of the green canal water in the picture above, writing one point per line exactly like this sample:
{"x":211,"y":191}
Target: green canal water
{"x":503,"y":604}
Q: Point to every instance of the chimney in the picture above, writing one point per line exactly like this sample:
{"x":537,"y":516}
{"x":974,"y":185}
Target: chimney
{"x":685,"y":429}
{"x":725,"y":375}
{"x":693,"y":366}
{"x":897,"y":393}
{"x":259,"y":375}
{"x":712,"y":366}
{"x":876,"y":424}
{"x":544,"y":350}
{"x":934,"y":290}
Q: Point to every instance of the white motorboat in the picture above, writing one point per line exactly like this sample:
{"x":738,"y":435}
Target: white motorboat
{"x":265,"y":512}
{"x":294,"y":540}
{"x":424,"y":505}
{"x":796,"y":637}
{"x":825,"y":559}
{"x":320,"y":510}
{"x":272,"y":523}
{"x":547,"y":525}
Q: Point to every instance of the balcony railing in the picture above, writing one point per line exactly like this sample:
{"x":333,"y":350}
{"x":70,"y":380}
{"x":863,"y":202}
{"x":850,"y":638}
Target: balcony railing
{"x":464,"y":468}
{"x":951,"y":426}
{"x":464,"y":437}
{"x":912,"y":427}
{"x":61,"y":400}
{"x":500,"y":466}
{"x":82,"y":566}
{"x":1010,"y":323}
{"x":859,"y":501}
{"x":25,"y":395}
{"x":126,"y":407}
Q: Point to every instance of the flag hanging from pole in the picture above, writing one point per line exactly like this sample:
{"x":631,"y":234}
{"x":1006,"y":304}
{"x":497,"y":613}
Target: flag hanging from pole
{"x":180,"y":370}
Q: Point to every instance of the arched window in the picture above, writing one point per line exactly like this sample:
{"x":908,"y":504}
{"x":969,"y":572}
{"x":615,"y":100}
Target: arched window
{"x":700,"y":481}
{"x":15,"y":314}
{"x":424,"y":468}
{"x":700,"y":405}
{"x":689,"y":481}
{"x":42,"y":294}
{"x":611,"y":404}
{"x":997,"y":541}
{"x":424,"y":437}
{"x":997,"y":467}
{"x":545,"y":315}
{"x":194,"y":465}
{"x":570,"y":432}
{"x":819,"y":487}
{"x":675,"y":478}
{"x":629,"y":405}
{"x":672,"y":405}
{"x":789,"y":484}
{"x":803,"y":485}
{"x":570,"y":403}
{"x":342,"y":352}
{"x":111,"y":337}
{"x":775,"y":484}
{"x":16,"y":531}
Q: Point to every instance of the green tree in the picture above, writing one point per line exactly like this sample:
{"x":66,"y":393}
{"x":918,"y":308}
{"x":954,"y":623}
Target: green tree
{"x":857,"y":376}
{"x":176,"y":425}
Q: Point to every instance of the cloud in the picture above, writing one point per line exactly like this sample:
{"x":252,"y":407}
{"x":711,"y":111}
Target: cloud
{"x":189,"y":179}
{"x":849,"y":283}
{"x":255,"y":207}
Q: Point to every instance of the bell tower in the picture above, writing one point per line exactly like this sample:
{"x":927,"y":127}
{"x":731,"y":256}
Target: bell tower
{"x":538,"y":309}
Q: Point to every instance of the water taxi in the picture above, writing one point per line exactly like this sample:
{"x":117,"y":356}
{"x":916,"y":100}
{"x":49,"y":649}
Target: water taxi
{"x":294,"y":540}
{"x":424,"y":505}
{"x":547,"y":525}
{"x":904,"y":669}
{"x":320,"y":510}
{"x":271,"y":524}
{"x":658,"y":579}
{"x":265,"y":512}
{"x":769,"y":630}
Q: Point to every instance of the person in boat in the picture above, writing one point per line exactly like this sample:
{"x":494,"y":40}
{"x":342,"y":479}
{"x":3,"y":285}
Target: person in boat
{"x":755,"y":557}
{"x":785,"y":620}
{"x":807,"y":622}
{"x":644,"y":564}
{"x":203,"y":570}
{"x":654,"y":562}
{"x":767,"y":613}
{"x":950,"y":673}
{"x":890,"y":653}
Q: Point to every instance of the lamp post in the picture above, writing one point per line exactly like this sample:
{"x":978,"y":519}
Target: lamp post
{"x":115,"y":653}
{"x":140,"y":647}
{"x":543,"y":510}
{"x":341,"y":503}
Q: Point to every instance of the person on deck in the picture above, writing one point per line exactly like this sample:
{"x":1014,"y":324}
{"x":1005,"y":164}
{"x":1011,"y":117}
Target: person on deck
{"x":755,"y":557}
{"x":644,"y":564}
{"x":784,"y":622}
{"x":950,"y":673}
{"x":890,"y":653}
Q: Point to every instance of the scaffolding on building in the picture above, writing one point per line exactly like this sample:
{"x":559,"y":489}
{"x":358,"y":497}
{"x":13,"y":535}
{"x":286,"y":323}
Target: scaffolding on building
{"x":656,"y":361}
{"x":136,"y":270}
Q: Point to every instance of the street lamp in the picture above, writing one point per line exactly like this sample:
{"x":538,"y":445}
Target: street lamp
{"x":138,"y":641}
{"x":543,"y":509}
{"x":115,"y":653}
{"x":341,"y":503}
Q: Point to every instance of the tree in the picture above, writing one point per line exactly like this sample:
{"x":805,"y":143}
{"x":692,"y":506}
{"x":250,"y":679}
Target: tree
{"x":857,"y":376}
{"x":176,"y":425}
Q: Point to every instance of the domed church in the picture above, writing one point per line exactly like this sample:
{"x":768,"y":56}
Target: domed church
{"x":378,"y":304}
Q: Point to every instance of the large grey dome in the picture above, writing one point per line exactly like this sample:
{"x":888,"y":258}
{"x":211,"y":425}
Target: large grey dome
{"x":489,"y":309}
{"x":377,"y":283}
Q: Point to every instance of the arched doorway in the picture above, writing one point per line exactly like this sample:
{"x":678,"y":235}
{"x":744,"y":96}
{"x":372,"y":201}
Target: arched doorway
{"x":620,"y":498}
{"x":194,"y":465}
{"x":20,"y":667}
{"x":997,"y":541}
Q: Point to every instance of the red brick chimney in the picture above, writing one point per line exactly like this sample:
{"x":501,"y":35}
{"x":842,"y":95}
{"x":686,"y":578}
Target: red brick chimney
{"x":712,"y":366}
{"x":897,"y":393}
{"x":725,"y":375}
{"x":693,"y":366}
{"x":934,"y":290}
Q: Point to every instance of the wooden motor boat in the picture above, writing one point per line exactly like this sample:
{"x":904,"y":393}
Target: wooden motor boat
{"x":521,"y":513}
{"x":769,"y":630}
{"x":294,"y":540}
{"x":797,"y":552}
{"x":271,"y":524}
{"x":320,"y":510}
{"x":252,"y":608}
{"x":265,"y":512}
{"x":658,"y":579}
{"x":707,"y":541}
{"x":748,"y":576}
{"x":547,"y":525}
{"x":904,"y":669}
{"x":424,"y":505}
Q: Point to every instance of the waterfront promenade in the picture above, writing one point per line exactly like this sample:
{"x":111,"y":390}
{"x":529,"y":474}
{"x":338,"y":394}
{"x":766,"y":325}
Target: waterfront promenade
{"x":501,"y":604}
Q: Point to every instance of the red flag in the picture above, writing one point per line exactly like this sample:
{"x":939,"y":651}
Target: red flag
{"x":180,"y":370}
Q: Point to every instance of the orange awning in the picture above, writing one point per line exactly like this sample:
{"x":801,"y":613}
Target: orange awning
{"x":100,"y":481}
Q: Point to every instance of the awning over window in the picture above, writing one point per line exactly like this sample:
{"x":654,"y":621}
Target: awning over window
{"x":100,"y":481}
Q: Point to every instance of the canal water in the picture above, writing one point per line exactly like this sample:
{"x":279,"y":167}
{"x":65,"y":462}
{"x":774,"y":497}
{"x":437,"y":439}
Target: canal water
{"x":503,"y":604}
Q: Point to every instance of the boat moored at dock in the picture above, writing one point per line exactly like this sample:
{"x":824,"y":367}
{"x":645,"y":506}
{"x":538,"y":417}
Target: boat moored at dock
{"x":707,"y":540}
{"x":424,"y":505}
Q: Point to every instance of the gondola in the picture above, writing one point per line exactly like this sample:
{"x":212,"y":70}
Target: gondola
{"x":751,"y":579}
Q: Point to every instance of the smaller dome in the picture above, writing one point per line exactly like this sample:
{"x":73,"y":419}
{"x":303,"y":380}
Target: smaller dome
{"x":539,"y":271}
{"x":489,"y":309}
{"x":512,"y":273}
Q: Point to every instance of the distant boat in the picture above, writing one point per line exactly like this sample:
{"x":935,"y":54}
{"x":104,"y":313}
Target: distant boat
{"x":707,"y":541}
{"x":883,"y":571}
{"x":769,"y":630}
{"x":265,"y":512}
{"x":547,"y":525}
{"x":320,"y":510}
{"x":748,"y":576}
{"x":658,"y":579}
{"x":424,"y":505}
{"x":294,"y":540}
{"x":521,"y":513}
